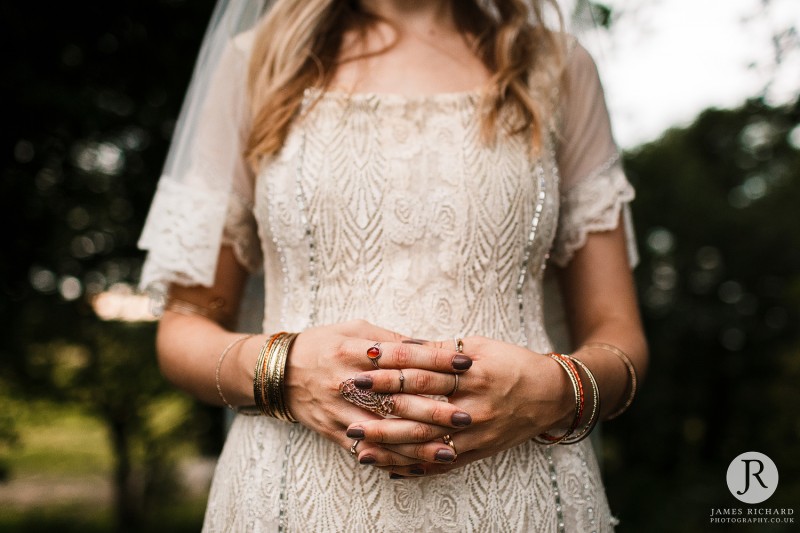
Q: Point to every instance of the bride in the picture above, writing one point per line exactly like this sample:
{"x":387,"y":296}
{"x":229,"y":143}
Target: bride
{"x":402,"y":174}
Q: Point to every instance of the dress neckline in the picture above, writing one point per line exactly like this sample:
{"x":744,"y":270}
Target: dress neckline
{"x":341,"y":95}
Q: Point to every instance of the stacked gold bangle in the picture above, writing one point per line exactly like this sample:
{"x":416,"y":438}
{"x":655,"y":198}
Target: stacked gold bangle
{"x":269,"y":376}
{"x":633,"y":381}
{"x":573,"y":434}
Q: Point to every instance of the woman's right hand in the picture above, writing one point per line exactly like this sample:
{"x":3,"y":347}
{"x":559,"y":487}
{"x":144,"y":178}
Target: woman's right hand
{"x":323,"y":357}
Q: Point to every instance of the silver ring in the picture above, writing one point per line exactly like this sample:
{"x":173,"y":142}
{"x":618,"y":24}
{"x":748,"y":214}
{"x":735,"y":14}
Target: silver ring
{"x":379,"y":403}
{"x":402,"y":379}
{"x":455,"y":387}
{"x":374,"y":353}
{"x":353,"y":447}
{"x":459,"y":344}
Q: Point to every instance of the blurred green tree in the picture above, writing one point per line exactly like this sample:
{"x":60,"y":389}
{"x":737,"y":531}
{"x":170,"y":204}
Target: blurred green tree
{"x":94,"y":88}
{"x":719,"y":283}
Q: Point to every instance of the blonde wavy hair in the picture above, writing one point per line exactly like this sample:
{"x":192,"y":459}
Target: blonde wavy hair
{"x":297,"y":46}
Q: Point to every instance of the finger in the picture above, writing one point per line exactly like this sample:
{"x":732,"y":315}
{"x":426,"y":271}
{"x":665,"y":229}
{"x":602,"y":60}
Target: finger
{"x":430,"y":411}
{"x":435,"y":451}
{"x":410,"y":380}
{"x":434,"y":469}
{"x":405,"y":355}
{"x":384,"y":457}
{"x":375,"y":455}
{"x":396,"y":431}
{"x":411,"y":407}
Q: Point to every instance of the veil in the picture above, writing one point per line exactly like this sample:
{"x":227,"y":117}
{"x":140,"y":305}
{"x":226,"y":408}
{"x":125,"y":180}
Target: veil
{"x":184,"y":228}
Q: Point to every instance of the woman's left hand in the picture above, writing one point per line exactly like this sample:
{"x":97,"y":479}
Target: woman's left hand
{"x":512,"y":393}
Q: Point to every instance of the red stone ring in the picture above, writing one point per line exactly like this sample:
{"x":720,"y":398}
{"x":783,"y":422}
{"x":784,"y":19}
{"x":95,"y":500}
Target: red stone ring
{"x":374,"y":353}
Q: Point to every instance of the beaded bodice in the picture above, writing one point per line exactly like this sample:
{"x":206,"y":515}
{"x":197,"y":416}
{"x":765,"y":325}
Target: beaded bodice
{"x":395,"y":211}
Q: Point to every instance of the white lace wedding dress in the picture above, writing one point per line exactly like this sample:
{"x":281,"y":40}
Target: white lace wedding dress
{"x":391,"y":209}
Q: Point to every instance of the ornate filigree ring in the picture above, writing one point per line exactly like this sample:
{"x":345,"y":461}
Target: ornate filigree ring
{"x":376,"y":402}
{"x":374,"y":353}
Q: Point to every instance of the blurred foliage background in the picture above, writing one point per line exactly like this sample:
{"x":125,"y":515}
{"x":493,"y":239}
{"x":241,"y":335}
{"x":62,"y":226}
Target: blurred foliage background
{"x":93,"y":439}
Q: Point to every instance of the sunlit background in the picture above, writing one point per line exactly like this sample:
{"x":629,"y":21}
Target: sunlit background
{"x":705,"y":100}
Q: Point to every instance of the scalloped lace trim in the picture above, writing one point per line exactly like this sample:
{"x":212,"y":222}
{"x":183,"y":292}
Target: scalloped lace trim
{"x":182,"y":235}
{"x":594,"y":205}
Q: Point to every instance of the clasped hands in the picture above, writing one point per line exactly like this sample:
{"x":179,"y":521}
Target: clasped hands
{"x":505,"y":395}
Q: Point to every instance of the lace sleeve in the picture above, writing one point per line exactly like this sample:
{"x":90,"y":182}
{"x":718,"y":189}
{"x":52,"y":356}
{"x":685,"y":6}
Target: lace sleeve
{"x":594,"y":189}
{"x":205,"y":196}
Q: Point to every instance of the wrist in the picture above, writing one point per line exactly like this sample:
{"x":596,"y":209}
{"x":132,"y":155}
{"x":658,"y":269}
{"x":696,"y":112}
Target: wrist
{"x":563,"y":394}
{"x":238,"y":381}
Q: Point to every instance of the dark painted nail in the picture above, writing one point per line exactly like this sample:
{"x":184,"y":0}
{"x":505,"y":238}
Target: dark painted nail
{"x":460,"y":419}
{"x":355,"y":433}
{"x":362,"y":382}
{"x":461,"y":362}
{"x":413,"y":341}
{"x":445,"y":455}
{"x":396,"y":476}
{"x":367,"y":460}
{"x":417,"y":470}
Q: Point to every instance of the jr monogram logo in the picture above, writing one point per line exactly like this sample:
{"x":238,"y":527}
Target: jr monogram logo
{"x":752,"y":477}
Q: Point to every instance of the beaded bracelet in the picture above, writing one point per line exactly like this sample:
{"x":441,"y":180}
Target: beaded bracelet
{"x":577,"y":386}
{"x":219,"y":365}
{"x":594,"y":416}
{"x":631,"y":373}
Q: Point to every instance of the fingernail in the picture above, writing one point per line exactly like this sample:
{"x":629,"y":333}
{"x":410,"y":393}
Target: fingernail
{"x":367,"y":460}
{"x":413,"y":341}
{"x":460,"y":419}
{"x":396,"y":476}
{"x":445,"y":455}
{"x":356,"y":433}
{"x":417,"y":470}
{"x":461,"y":362}
{"x":362,"y":382}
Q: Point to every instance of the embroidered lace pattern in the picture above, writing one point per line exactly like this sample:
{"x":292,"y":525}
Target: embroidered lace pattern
{"x":593,"y":204}
{"x":391,"y":209}
{"x":187,"y":243}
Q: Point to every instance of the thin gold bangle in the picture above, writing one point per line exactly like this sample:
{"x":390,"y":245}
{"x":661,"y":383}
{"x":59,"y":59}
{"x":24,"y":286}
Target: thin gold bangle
{"x":219,"y":365}
{"x":595,"y":414}
{"x":631,"y":372}
{"x":259,"y":375}
{"x":546,"y":438}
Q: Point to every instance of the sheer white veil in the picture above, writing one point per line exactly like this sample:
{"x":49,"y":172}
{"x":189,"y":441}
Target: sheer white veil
{"x":184,"y":228}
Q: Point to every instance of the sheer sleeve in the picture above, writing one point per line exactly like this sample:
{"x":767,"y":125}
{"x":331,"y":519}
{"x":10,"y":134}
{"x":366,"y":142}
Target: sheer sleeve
{"x":594,"y":189}
{"x":205,"y":196}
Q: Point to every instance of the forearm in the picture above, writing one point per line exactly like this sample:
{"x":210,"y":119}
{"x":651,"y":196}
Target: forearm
{"x":600,"y":303}
{"x":189,"y":349}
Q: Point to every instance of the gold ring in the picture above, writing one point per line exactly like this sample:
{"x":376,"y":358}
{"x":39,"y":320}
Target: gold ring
{"x":374,"y":353}
{"x":353,"y":447}
{"x":459,"y":344}
{"x":455,"y":387}
{"x":402,"y":379}
{"x":447,"y":439}
{"x":377,"y":402}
